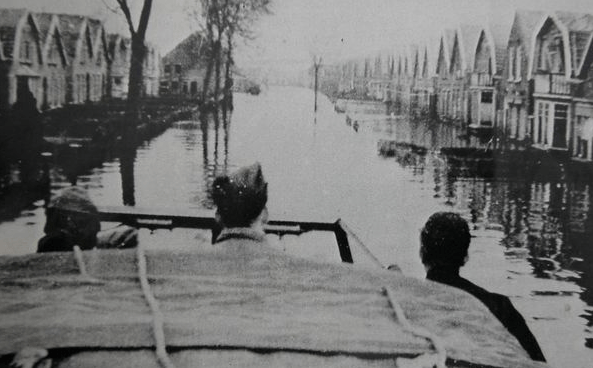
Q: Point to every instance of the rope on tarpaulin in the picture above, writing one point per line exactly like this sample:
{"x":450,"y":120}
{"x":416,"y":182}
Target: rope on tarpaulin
{"x":426,"y":360}
{"x":157,"y":315}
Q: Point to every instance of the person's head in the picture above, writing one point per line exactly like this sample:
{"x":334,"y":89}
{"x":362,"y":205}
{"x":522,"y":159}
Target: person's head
{"x":240,"y":197}
{"x":72,"y":214}
{"x":444,"y":240}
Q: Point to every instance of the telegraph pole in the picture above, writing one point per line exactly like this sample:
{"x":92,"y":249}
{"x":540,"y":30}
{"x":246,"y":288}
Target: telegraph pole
{"x":317,"y":60}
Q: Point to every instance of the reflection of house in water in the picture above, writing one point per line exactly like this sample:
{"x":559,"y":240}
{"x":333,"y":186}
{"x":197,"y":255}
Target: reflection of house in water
{"x":215,"y":149}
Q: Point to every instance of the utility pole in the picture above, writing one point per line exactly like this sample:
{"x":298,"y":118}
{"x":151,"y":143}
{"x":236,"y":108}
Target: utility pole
{"x":317,"y":60}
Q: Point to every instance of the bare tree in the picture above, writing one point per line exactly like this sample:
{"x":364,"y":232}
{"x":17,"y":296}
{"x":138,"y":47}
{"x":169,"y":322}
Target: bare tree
{"x":225,"y":20}
{"x":138,"y":35}
{"x":241,"y":16}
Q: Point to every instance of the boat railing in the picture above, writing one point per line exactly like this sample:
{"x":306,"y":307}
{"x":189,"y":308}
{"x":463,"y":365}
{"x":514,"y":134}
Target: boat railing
{"x":204,"y":219}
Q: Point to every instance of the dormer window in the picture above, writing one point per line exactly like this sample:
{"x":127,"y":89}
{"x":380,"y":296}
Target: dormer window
{"x":551,"y":53}
{"x":26,"y":51}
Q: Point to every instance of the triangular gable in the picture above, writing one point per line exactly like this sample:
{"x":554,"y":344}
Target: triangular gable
{"x":27,"y":18}
{"x":551,"y":20}
{"x":445,"y":50}
{"x":99,"y":39}
{"x":54,"y":35}
{"x":485,"y":48}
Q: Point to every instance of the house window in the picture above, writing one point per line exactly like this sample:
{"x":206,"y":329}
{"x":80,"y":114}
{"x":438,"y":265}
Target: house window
{"x":560,"y":125}
{"x":167,"y":69}
{"x":26,"y":51}
{"x":178,"y":69}
{"x":518,"y":60}
{"x":486,"y":97}
{"x":511,"y":63}
{"x":542,"y":122}
{"x":175,"y":86}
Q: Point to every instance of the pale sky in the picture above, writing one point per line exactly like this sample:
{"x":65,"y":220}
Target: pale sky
{"x":299,"y":28}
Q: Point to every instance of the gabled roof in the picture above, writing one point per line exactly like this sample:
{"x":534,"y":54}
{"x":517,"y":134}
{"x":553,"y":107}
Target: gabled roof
{"x":445,"y":47}
{"x":10,"y":19}
{"x":48,"y":25}
{"x":467,"y":42}
{"x":580,"y":33}
{"x":71,"y":27}
{"x":497,"y":40}
{"x":430,"y":51}
{"x":576,"y":30}
{"x":525,"y":23}
{"x":114,"y":44}
{"x":98,"y":36}
{"x":413,"y":60}
{"x":187,"y":52}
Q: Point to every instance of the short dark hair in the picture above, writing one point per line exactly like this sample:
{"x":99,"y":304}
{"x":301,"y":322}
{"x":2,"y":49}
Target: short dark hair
{"x":241,"y":196}
{"x":444,"y":240}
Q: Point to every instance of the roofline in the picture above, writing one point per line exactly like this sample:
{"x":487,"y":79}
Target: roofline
{"x":459,"y":41}
{"x":587,"y":51}
{"x":488,"y":34}
{"x":17,"y":35}
{"x":565,"y":38}
{"x":55,"y":25}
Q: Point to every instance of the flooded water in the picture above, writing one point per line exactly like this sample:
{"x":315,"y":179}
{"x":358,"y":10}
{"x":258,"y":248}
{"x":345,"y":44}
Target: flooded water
{"x":532,"y":229}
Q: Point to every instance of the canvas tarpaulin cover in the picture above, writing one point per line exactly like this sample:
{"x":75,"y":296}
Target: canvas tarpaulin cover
{"x":256,"y":299}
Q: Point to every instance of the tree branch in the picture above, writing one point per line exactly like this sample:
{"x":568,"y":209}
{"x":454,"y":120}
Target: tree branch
{"x":144,"y":16}
{"x":123,"y":4}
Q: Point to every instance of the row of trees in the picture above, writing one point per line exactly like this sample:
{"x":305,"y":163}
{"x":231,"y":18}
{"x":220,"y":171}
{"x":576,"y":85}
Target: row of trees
{"x":223,"y":23}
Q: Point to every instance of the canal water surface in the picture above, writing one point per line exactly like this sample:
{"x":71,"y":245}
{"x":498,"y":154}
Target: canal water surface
{"x":532,"y":231}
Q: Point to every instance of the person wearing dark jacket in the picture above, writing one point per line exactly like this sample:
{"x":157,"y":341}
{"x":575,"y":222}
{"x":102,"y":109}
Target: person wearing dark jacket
{"x":444,"y":241}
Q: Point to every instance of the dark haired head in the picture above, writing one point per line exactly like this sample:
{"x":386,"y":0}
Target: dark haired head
{"x":444,"y":240}
{"x":241,"y":196}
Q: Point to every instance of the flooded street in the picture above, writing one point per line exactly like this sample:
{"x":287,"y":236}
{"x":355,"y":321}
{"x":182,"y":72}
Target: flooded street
{"x":532,"y":233}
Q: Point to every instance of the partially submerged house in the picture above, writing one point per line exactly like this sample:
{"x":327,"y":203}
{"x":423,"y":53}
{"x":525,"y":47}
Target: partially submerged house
{"x":559,"y":55}
{"x":488,"y":64}
{"x":516,"y":87}
{"x":21,"y":57}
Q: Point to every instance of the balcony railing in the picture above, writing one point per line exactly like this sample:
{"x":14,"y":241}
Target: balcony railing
{"x":481,"y":79}
{"x":554,"y":84}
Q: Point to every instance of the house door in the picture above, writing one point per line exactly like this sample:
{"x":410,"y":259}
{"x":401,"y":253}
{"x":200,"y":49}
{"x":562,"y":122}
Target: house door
{"x":44,"y":84}
{"x":560,"y":125}
{"x":22,"y":86}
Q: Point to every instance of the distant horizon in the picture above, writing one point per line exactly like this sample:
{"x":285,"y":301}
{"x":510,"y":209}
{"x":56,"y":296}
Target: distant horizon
{"x":297,"y":29}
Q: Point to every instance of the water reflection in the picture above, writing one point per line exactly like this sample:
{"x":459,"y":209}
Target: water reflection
{"x":127,"y":158}
{"x":543,"y":211}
